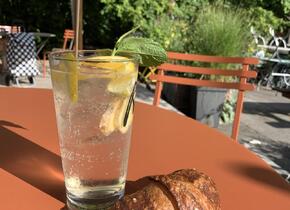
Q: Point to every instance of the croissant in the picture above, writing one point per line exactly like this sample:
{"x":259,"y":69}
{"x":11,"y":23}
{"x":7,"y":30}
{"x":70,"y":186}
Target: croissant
{"x":186,"y":189}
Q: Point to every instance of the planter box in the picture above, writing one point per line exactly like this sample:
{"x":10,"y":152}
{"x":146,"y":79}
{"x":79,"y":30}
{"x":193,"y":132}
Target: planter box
{"x":207,"y":104}
{"x":200,"y":103}
{"x":178,"y":96}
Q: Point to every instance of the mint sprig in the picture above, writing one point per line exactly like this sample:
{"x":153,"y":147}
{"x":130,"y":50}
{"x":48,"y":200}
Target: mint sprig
{"x":146,"y":51}
{"x":121,"y":39}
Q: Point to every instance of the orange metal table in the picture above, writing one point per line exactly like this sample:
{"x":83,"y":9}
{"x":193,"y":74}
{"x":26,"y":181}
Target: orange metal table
{"x":162,"y":142}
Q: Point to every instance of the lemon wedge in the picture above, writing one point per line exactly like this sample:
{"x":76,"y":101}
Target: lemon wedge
{"x":124,"y":80}
{"x":123,"y":74}
{"x":72,"y":76}
{"x":121,"y":70}
{"x":113,"y":119}
{"x":68,"y":72}
{"x":107,"y":124}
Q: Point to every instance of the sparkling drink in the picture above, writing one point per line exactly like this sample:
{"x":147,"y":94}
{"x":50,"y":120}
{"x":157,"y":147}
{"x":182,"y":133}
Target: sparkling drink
{"x":94,"y":109}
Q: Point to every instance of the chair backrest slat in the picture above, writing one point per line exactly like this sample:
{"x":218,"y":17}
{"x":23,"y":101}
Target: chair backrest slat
{"x":241,"y":85}
{"x":68,"y":36}
{"x":202,"y":83}
{"x":210,"y":59}
{"x":208,"y":71}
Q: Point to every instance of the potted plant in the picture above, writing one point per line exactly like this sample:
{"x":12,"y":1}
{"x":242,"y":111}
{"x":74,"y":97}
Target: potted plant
{"x":217,"y":31}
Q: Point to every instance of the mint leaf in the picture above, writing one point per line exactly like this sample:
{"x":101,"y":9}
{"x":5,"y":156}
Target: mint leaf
{"x":122,"y":37}
{"x":149,"y":52}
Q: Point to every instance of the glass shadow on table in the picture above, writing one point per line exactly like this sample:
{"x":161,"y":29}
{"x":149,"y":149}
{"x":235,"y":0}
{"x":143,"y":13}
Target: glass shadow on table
{"x":260,"y":175}
{"x":38,"y":166}
{"x":30,"y":162}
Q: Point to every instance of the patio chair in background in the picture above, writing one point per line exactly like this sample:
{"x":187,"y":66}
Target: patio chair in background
{"x":68,"y":44}
{"x":241,"y":85}
{"x":68,"y":39}
{"x":145,"y":73}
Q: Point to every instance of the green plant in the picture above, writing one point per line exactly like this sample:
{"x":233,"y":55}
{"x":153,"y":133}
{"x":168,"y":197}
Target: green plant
{"x":146,"y":51}
{"x":168,"y":22}
{"x":164,"y":21}
{"x":220,"y":31}
{"x":228,"y":111}
{"x":263,"y":19}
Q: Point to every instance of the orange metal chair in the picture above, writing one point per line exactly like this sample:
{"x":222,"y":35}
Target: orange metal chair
{"x":68,"y":36}
{"x":243,"y":74}
{"x":68,"y":43}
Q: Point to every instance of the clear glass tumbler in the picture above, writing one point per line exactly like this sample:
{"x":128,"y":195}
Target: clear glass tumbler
{"x":93,"y":96}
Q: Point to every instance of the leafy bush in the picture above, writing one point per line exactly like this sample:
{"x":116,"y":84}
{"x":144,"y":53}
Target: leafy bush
{"x":264,"y":14}
{"x":165,"y":21}
{"x":220,"y":31}
{"x":45,"y":16}
{"x":263,"y":19}
{"x":169,"y":22}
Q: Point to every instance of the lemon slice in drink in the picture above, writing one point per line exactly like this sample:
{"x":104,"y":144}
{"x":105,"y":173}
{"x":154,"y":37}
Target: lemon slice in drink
{"x":122,"y":75}
{"x":109,"y":63}
{"x":114,"y":117}
{"x":67,"y":72}
{"x":124,"y":80}
{"x":73,"y":79}
{"x":121,"y":70}
{"x":107,"y":124}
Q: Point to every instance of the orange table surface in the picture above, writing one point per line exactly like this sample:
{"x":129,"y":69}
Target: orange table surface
{"x":162,"y":141}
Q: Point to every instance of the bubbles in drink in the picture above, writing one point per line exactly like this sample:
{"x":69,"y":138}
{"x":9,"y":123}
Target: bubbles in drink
{"x":94,"y":142}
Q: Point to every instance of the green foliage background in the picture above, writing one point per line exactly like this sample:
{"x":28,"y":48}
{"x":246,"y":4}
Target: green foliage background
{"x":169,"y":22}
{"x":220,"y":31}
{"x":45,"y":16}
{"x":178,"y":25}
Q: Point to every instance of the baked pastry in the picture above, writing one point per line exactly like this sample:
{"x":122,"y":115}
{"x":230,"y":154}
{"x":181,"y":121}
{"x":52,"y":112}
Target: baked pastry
{"x":186,"y":189}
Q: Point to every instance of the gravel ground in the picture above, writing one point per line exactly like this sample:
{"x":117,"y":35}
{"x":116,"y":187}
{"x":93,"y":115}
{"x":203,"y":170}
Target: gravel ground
{"x":265,"y":128}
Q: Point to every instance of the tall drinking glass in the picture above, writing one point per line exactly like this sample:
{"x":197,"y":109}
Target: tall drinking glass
{"x":93,"y":96}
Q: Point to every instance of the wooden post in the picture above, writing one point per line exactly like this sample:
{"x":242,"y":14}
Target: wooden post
{"x":78,"y":23}
{"x":81,"y":25}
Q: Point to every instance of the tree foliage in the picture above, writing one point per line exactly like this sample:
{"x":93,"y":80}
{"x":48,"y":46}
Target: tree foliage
{"x":263,"y":13}
{"x":46,"y":16}
{"x":169,"y":22}
{"x":165,"y":21}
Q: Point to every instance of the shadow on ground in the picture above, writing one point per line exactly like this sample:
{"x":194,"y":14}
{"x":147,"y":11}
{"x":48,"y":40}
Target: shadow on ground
{"x":276,"y":154}
{"x":278,"y":113}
